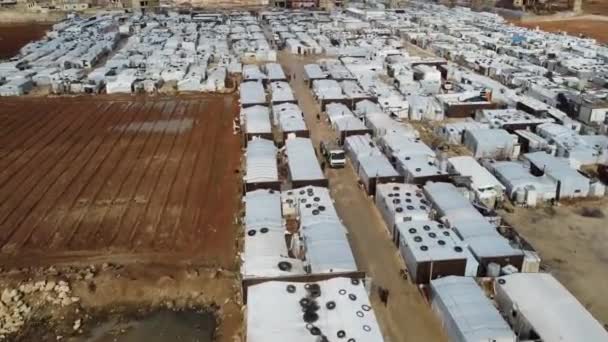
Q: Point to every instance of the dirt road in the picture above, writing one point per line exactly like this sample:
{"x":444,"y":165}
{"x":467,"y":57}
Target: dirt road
{"x":407,"y":317}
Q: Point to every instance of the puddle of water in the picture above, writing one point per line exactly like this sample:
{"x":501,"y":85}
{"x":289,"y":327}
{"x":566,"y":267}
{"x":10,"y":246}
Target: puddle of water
{"x":158,"y":126}
{"x":159,"y":326}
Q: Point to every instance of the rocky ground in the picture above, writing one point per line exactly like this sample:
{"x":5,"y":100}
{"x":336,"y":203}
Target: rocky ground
{"x":68,"y":303}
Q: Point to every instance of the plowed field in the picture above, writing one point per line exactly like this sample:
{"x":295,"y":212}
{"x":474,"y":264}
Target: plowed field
{"x":105,"y":176}
{"x":15,"y":36}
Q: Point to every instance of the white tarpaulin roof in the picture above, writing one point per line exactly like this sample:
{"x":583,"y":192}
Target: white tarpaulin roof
{"x":274,"y":314}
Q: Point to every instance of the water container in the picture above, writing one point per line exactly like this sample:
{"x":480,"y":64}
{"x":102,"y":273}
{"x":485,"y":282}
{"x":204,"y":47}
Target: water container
{"x":531,"y":196}
{"x":509,"y":269}
{"x":493,"y":270}
{"x":597,"y":189}
{"x":520,"y":196}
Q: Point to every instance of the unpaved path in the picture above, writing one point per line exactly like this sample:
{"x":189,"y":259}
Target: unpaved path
{"x":406,"y":317}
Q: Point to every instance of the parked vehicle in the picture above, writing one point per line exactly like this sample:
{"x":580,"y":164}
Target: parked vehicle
{"x":333,"y":154}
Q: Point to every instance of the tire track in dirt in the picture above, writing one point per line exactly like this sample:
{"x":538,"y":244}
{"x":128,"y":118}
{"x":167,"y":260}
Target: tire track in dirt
{"x":48,"y":154}
{"x":107,"y":192}
{"x":55,"y":194}
{"x":88,"y":165}
{"x":85,"y":209}
{"x":200,"y":197}
{"x":129,"y":220}
{"x":169,"y":230}
{"x":12,"y":166}
{"x":174,"y":193}
{"x":126,"y":191}
{"x":13,"y":122}
{"x":145,"y":228}
{"x":173,"y":204}
{"x":221,"y":224}
{"x":46,"y":175}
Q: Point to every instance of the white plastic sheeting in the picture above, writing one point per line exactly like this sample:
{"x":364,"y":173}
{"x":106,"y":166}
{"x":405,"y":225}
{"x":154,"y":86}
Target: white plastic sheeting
{"x":302,"y":160}
{"x":264,"y":246}
{"x":261,"y":162}
{"x":400,"y":203}
{"x":273,"y":313}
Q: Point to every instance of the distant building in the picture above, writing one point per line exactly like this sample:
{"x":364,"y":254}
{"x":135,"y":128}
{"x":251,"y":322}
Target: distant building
{"x":143,"y":5}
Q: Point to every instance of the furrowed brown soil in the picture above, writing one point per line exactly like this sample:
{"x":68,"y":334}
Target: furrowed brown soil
{"x":589,"y":28}
{"x":15,"y":36}
{"x":118,"y":179}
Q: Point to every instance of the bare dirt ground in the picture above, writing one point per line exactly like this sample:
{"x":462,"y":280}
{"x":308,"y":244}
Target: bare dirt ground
{"x":94,"y":177}
{"x":150,"y":184}
{"x":599,"y":7}
{"x":406,"y":317}
{"x":597,"y":29}
{"x":571,"y":240}
{"x":15,"y":36}
{"x":115,"y":292}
